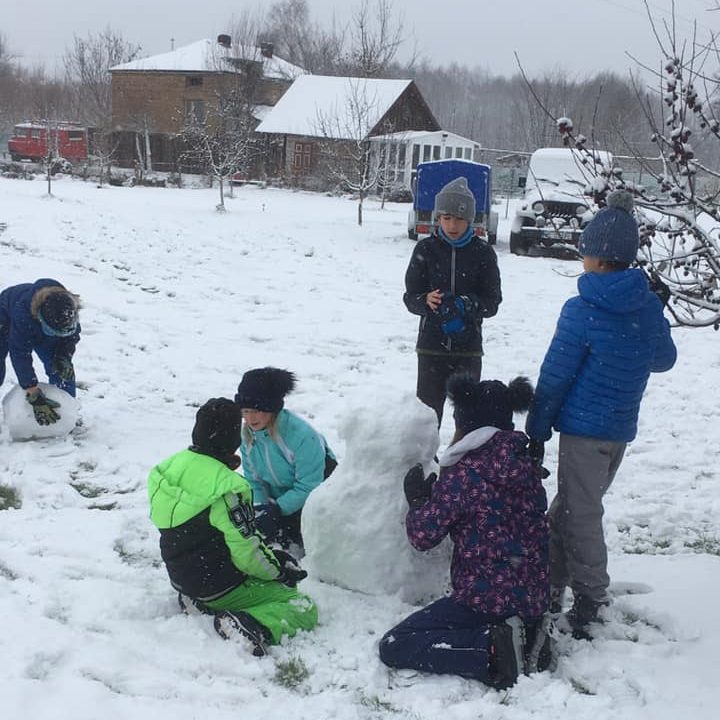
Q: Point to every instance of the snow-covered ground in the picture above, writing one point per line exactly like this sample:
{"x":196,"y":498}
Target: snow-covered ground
{"x":178,"y":302}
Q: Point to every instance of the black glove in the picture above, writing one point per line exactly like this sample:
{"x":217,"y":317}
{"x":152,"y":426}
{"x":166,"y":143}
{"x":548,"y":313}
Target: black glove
{"x":536,"y":452}
{"x":660,"y":288}
{"x":62,"y":366}
{"x":417,"y":487}
{"x":290,"y":572}
{"x":453,"y":310}
{"x":267,"y":520}
{"x":43,"y":408}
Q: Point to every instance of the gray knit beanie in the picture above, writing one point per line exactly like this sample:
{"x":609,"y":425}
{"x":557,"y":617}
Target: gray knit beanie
{"x":613,"y":233}
{"x":456,"y":199}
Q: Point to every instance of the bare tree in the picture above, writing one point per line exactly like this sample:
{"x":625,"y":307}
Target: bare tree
{"x":680,"y":212}
{"x":302,"y":42}
{"x":222,"y":143}
{"x":87,"y":69}
{"x":87,"y":72}
{"x":347,"y":157}
{"x":376,"y":34}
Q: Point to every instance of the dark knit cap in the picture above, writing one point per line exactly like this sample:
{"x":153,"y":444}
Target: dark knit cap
{"x":265,"y":389}
{"x":613,"y":233}
{"x":59,"y":311}
{"x":488,"y":403}
{"x":456,"y":199}
{"x":218,"y":426}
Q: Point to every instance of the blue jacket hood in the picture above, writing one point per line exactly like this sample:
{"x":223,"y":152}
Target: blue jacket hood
{"x":617,"y":292}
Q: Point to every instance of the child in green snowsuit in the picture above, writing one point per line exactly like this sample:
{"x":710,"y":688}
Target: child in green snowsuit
{"x":213,"y":555}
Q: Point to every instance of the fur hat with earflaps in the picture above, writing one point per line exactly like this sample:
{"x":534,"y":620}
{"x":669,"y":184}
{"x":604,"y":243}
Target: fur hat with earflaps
{"x":265,"y":389}
{"x":613,"y":233}
{"x":56,"y":309}
{"x":488,"y":403}
{"x":218,"y":427}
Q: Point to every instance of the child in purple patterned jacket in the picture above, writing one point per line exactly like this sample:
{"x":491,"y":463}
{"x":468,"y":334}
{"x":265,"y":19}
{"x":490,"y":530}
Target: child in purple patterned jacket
{"x":489,"y":498}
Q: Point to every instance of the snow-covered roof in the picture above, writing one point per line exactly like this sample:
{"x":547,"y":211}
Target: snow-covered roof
{"x":260,"y":112}
{"x":208,"y":56}
{"x":430,"y":136}
{"x":341,"y":108}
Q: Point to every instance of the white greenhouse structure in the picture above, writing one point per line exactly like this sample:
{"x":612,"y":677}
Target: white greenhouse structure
{"x":396,"y":155}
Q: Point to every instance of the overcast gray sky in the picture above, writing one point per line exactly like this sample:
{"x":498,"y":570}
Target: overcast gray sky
{"x":581,"y":37}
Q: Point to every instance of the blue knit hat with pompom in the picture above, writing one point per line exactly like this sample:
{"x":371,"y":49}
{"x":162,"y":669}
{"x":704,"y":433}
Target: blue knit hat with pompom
{"x":613,"y":233}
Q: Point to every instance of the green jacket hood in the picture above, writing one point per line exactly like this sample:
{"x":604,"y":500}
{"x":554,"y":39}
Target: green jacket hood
{"x":187,"y":483}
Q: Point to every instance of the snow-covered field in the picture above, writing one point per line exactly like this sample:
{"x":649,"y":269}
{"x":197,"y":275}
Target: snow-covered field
{"x":178,"y":302}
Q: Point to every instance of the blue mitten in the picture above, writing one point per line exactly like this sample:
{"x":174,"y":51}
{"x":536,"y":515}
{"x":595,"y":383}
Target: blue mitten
{"x":452,"y":310}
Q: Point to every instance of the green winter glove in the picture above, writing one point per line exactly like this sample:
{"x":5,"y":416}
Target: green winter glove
{"x":43,"y":408}
{"x":62,"y":366}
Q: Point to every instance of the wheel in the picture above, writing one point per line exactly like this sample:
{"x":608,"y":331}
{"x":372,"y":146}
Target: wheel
{"x":518,"y":244}
{"x":412,"y":235}
{"x":15,"y":157}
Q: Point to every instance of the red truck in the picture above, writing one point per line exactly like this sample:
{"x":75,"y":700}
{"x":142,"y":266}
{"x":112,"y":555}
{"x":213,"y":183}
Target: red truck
{"x":66,"y":140}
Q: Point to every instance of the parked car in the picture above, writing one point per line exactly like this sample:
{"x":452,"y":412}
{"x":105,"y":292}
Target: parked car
{"x":433,"y":176}
{"x":554,"y":209}
{"x":35,"y":140}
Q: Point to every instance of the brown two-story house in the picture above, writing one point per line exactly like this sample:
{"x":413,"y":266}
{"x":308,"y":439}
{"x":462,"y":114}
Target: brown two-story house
{"x":155,"y":98}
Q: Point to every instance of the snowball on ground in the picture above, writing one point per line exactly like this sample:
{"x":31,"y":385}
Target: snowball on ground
{"x":354,"y":523}
{"x":20,"y":419}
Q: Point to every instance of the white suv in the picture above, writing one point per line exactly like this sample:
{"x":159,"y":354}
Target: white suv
{"x":556,"y":205}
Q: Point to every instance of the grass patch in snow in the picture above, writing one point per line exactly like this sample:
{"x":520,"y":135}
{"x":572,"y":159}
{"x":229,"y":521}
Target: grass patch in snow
{"x":291,"y":673}
{"x":9,"y":498}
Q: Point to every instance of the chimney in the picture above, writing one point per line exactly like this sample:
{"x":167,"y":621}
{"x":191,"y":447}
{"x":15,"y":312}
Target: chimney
{"x":267,"y":49}
{"x":224,"y":40}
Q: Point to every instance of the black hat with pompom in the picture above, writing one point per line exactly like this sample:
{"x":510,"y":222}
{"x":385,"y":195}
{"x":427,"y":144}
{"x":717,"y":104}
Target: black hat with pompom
{"x":489,"y":403}
{"x":265,"y":389}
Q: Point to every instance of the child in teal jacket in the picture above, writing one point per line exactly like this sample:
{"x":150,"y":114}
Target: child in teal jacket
{"x":283,"y":457}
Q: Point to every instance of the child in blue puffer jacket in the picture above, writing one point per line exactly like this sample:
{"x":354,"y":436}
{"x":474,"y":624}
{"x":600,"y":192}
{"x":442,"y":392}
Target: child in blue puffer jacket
{"x":608,"y":340}
{"x":283,"y":457}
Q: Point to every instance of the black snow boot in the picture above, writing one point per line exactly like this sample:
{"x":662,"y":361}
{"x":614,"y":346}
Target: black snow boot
{"x":505,"y":653}
{"x":243,"y":627}
{"x":582,"y":614}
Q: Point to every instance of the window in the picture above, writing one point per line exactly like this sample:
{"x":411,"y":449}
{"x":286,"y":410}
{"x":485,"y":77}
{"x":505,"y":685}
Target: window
{"x":195,"y":112}
{"x":76,"y":135}
{"x":458,"y":152}
{"x":427,"y":149}
{"x":436,"y":152}
{"x":193,"y":81}
{"x":468,"y":153}
{"x":415,"y":156}
{"x":35,"y":133}
{"x":448,"y":152}
{"x":401,"y":155}
{"x":302,"y":158}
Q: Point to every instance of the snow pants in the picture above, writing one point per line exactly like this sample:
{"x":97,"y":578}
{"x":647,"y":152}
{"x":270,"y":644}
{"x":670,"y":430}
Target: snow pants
{"x":444,"y":638}
{"x":433,"y":374}
{"x":578,"y":555}
{"x":280,"y":609}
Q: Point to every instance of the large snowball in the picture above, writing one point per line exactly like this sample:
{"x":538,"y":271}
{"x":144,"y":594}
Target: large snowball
{"x":354,"y":523}
{"x":20,"y":419}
